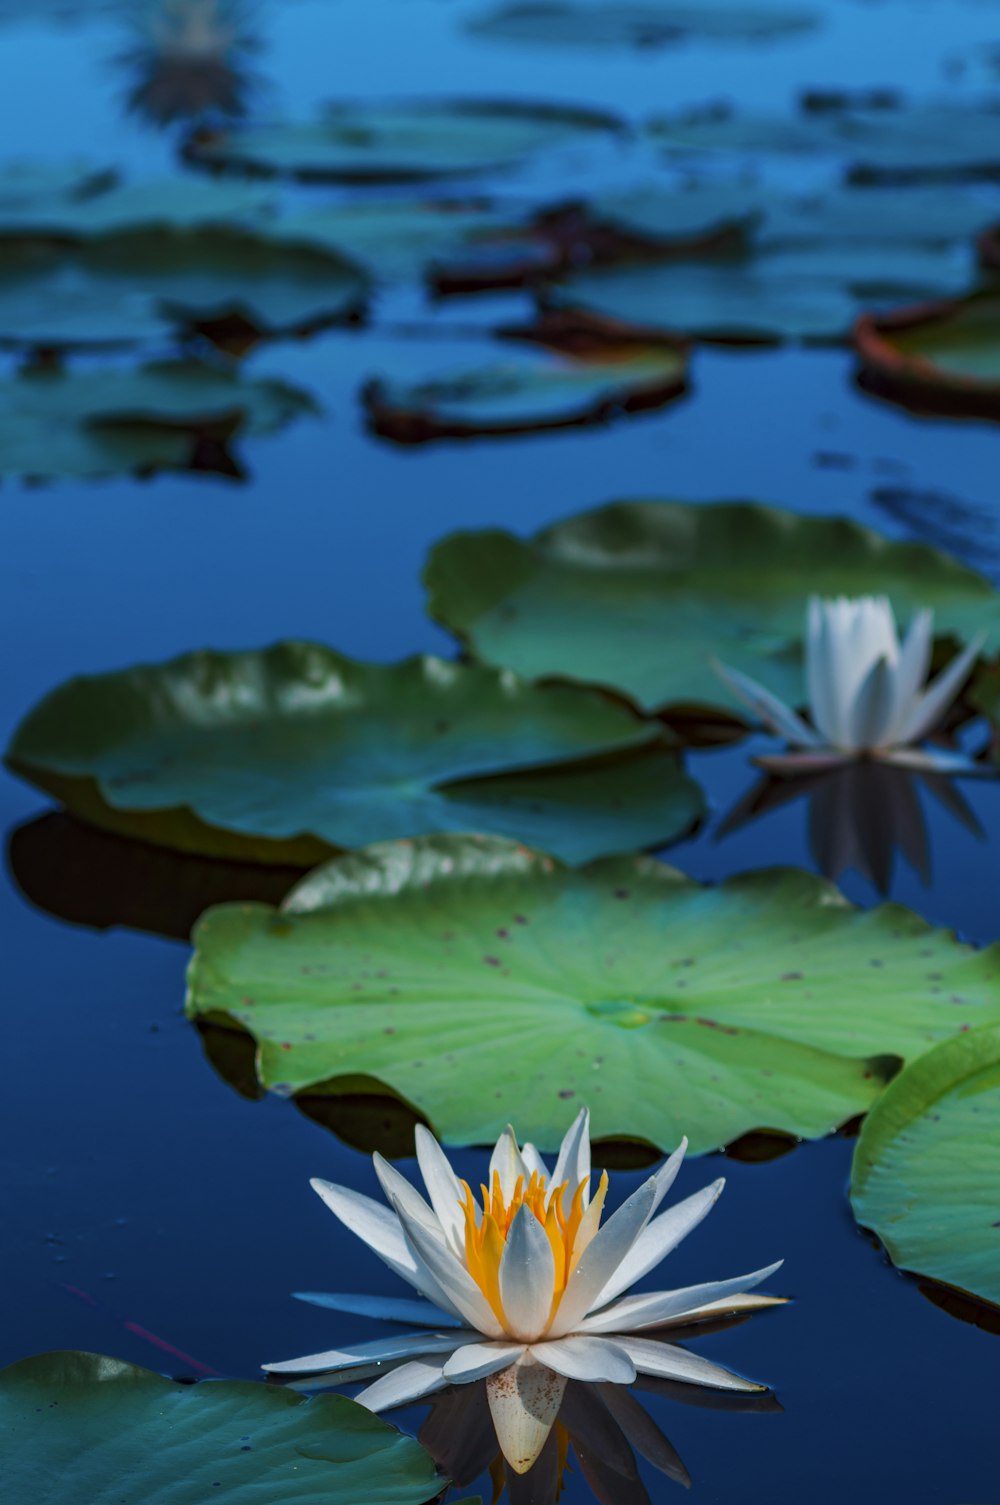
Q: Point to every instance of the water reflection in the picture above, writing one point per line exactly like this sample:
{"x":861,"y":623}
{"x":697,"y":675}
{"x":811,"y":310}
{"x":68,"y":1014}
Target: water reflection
{"x":601,"y":1433}
{"x":860,"y":815}
{"x":189,"y":60}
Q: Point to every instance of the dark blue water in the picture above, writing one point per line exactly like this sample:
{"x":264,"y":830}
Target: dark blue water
{"x":142,"y":1196}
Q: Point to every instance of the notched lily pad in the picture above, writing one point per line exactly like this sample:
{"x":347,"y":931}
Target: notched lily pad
{"x":595,"y":370}
{"x":281,"y":755}
{"x":640,"y":596}
{"x":668,"y":1007}
{"x":647,"y":24}
{"x":128,"y":1435}
{"x":926,"y":1174}
{"x":942,"y":358}
{"x":174,"y":415}
{"x":401,"y":142}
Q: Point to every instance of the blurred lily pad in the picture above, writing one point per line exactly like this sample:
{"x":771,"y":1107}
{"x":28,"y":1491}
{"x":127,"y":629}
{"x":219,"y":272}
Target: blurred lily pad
{"x":625,"y":986}
{"x":173,"y":415}
{"x":67,"y":205}
{"x":401,"y":142}
{"x":640,"y":596}
{"x":586,"y":371}
{"x":281,"y":755}
{"x":942,"y":359}
{"x":128,"y":1435}
{"x":901,"y":143}
{"x":926,"y":1173}
{"x":649,"y":23}
{"x":810,"y":291}
{"x":206,"y":279}
{"x":41,"y":187}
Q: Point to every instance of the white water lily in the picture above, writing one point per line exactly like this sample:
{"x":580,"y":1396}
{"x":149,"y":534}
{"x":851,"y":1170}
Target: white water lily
{"x":868,"y":696}
{"x":526,"y":1288}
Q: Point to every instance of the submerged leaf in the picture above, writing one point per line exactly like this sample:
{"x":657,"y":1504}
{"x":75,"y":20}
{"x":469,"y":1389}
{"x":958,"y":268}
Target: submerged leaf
{"x":486,"y":984}
{"x":281,"y":755}
{"x":926,"y":1175}
{"x":127,"y":1435}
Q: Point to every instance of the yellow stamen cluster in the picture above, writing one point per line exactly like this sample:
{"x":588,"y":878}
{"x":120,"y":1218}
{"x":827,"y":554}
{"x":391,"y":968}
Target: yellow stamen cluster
{"x":486,"y":1236}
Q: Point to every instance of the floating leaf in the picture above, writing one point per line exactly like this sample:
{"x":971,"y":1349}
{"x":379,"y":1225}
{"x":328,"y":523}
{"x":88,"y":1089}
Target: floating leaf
{"x":280,"y":755}
{"x":941,"y":359}
{"x":202,"y":278}
{"x":127,"y":1436}
{"x":485,"y":983}
{"x":39,"y":187}
{"x":810,"y":291}
{"x":65,"y":208}
{"x":641,"y":596}
{"x":926,"y":1174}
{"x":406,"y":141}
{"x":649,"y":23}
{"x":594,"y":369}
{"x":894,"y":144}
{"x":174,"y":415}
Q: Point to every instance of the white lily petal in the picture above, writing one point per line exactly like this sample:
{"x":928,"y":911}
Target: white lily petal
{"x":506,"y":1163}
{"x":524,"y":1403}
{"x":742,"y":1304}
{"x":871,"y":712}
{"x":937,"y":760}
{"x":533,"y":1162}
{"x":573,"y":1163}
{"x":587,"y":1359}
{"x":527,"y":1276}
{"x":453,"y":1278}
{"x":768,"y":708}
{"x":659,"y":1238}
{"x":936,"y":700}
{"x":601,"y":1258}
{"x":912,"y":669}
{"x":477,"y":1361}
{"x":669,"y":1362}
{"x":356,"y":1355}
{"x":653,"y":1307}
{"x":818,"y":680}
{"x":388,"y":1308}
{"x":398,"y":1190}
{"x":403,"y":1386}
{"x":667,"y":1174}
{"x":442,"y":1186}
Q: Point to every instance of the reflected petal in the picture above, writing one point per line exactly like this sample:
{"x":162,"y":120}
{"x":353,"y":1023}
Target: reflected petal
{"x":524,"y":1402}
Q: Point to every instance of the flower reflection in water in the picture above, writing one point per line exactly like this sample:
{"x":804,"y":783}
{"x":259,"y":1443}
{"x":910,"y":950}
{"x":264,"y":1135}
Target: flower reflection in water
{"x":190,"y":59}
{"x":859,"y":816}
{"x":601,"y":1433}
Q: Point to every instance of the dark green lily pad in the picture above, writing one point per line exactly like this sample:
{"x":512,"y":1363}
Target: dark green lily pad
{"x":282,"y":755}
{"x":926,"y":1174}
{"x":910,"y":143}
{"x":640,"y":596}
{"x":648,"y":23}
{"x":126,"y":1436}
{"x":401,"y":142}
{"x":810,"y":291}
{"x":174,"y":415}
{"x":204,"y":278}
{"x":591,"y":370}
{"x":485,"y":983}
{"x":943,"y":358}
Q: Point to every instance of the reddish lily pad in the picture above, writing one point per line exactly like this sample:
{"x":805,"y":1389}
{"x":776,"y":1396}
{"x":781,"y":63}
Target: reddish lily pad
{"x":938,"y":358}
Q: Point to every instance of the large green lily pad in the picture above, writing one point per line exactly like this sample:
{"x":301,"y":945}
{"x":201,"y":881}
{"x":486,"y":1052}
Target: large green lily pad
{"x":485,"y":983}
{"x":284,"y":754}
{"x":648,"y":23}
{"x":926,"y":1174}
{"x":812,"y":291}
{"x":401,"y":142}
{"x":906,"y":144}
{"x":160,"y":417}
{"x":940,"y":359}
{"x":640,"y":596}
{"x":83,"y":1427}
{"x":202,"y":278}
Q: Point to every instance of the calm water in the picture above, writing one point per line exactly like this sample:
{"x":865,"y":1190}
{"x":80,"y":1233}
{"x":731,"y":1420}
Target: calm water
{"x":143,"y":1199}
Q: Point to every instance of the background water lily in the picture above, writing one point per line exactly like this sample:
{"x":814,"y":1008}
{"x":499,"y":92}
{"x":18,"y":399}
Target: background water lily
{"x":524,"y":1289}
{"x":868,"y":692}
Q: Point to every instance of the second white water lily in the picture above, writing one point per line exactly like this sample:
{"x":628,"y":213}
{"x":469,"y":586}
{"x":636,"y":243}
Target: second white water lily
{"x":524,"y":1286}
{"x":868,"y":691}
